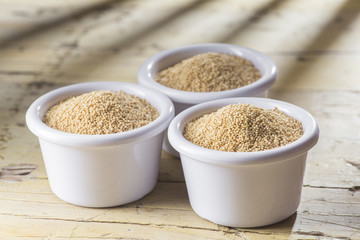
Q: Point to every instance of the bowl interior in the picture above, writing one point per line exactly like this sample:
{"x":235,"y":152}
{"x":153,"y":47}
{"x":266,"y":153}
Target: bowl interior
{"x":171,"y":58}
{"x":40,"y":106}
{"x":165,"y":59}
{"x":301,"y":145}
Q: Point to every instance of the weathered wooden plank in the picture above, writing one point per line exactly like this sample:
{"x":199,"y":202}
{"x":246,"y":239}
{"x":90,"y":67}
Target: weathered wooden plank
{"x":168,"y":205}
{"x":116,"y":41}
{"x":48,"y":44}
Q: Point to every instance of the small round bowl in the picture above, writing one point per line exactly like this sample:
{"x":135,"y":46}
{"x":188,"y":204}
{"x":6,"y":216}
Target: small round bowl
{"x":244,"y":189}
{"x":185,"y":99}
{"x":101,"y":170}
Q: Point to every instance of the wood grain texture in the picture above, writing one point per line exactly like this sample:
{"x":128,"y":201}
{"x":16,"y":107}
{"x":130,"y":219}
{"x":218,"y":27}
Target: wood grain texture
{"x":46,"y":44}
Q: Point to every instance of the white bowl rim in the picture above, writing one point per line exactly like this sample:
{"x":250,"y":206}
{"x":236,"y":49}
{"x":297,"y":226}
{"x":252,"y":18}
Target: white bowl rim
{"x":265,"y":82}
{"x":41,"y":105}
{"x":296,"y":148}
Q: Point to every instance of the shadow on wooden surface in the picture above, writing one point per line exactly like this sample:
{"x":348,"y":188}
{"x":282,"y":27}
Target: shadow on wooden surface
{"x":55,"y":21}
{"x":97,"y":17}
{"x":256,"y":16}
{"x":321,"y":44}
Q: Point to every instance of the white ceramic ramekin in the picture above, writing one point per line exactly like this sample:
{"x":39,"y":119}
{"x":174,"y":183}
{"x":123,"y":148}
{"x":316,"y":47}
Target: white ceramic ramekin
{"x":101,"y":170}
{"x":185,"y":99}
{"x":244,"y":189}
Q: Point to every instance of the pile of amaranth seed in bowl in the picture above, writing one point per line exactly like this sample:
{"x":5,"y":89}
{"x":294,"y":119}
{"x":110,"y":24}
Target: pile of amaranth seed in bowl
{"x":243,"y":128}
{"x":100,"y":112}
{"x":209,"y":72}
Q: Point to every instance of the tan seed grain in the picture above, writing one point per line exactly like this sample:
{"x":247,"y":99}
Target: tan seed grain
{"x":100,"y":112}
{"x":209,"y":72}
{"x":243,"y":128}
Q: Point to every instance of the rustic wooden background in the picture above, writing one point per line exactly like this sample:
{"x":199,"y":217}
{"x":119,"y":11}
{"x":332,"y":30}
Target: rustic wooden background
{"x":45,"y":44}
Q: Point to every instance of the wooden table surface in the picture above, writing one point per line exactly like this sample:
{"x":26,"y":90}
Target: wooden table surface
{"x":46,"y":44}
